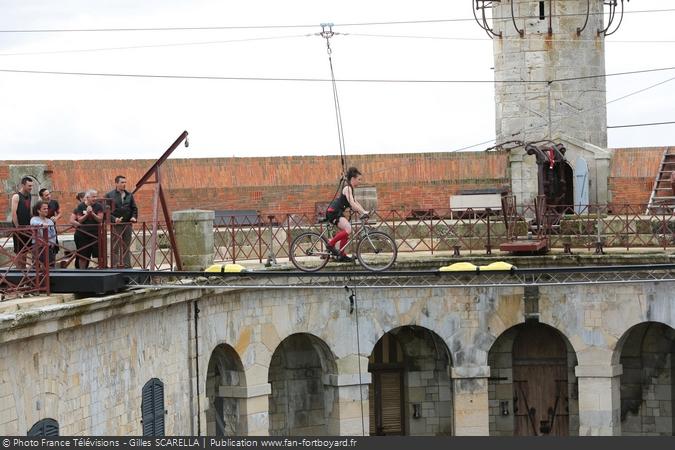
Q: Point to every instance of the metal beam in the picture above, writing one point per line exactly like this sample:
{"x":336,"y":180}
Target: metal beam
{"x":553,"y":276}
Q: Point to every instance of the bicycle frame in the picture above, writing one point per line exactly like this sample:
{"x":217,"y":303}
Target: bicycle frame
{"x":363,"y":229}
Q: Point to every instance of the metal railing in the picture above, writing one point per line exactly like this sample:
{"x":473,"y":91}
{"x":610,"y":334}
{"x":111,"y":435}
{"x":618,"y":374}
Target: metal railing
{"x":470,"y":231}
{"x":24,"y":270}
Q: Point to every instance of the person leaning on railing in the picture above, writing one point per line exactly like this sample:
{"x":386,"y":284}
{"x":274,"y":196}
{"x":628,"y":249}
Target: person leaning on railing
{"x":40,"y":219}
{"x":21,"y":214}
{"x":72,"y":221}
{"x":123,"y":214}
{"x":54,"y":207}
{"x":89,"y":214}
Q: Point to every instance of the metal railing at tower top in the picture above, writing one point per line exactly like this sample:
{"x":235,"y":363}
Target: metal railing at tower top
{"x":470,"y":231}
{"x":24,"y":269}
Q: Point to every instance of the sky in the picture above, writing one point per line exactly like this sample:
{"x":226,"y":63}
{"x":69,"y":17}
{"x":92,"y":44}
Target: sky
{"x":56,"y":116}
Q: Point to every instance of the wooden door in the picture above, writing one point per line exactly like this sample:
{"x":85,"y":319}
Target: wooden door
{"x":581,"y":185}
{"x":386,"y":403}
{"x":540,"y":383}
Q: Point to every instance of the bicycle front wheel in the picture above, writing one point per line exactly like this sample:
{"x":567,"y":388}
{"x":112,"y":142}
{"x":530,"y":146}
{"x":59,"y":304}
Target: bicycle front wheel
{"x":376,"y":251}
{"x":309,"y":252}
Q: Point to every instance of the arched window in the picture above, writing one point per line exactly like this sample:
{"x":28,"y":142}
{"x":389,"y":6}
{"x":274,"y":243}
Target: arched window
{"x":45,"y":427}
{"x":152,"y":408}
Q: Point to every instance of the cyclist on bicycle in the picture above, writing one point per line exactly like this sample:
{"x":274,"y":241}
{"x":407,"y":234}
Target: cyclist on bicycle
{"x":335,"y":214}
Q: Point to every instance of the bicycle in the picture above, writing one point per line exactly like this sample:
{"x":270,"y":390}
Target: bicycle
{"x":375,"y":250}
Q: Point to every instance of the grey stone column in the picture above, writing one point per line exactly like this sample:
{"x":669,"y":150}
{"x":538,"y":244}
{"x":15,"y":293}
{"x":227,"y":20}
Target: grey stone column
{"x":349,"y":414}
{"x":470,"y":393}
{"x":599,"y":400}
{"x":194,"y":238}
{"x":253,"y":407}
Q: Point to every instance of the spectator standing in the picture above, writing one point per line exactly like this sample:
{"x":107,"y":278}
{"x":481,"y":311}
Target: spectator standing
{"x":74,"y":223}
{"x":40,"y":219}
{"x":124,"y":213}
{"x":21,"y":214}
{"x":54,"y":208}
{"x":89,"y":215}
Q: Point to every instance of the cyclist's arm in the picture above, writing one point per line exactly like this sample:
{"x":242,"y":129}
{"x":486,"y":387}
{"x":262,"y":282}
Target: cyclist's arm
{"x":356,"y":206}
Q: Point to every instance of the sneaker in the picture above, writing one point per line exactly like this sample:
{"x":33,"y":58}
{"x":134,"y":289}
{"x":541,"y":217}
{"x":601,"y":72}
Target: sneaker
{"x":344,"y":259}
{"x":333,"y":251}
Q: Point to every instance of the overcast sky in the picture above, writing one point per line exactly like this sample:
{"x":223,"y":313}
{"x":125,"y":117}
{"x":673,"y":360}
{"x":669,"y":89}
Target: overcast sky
{"x":48,"y":116}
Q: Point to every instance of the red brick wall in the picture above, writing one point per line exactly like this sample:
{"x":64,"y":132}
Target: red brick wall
{"x":283,"y":184}
{"x":632,"y":174}
{"x":295,"y":184}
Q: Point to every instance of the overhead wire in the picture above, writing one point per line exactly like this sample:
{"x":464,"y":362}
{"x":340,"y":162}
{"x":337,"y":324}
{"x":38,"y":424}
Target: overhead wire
{"x":341,"y":136}
{"x":251,"y":27}
{"x":515,"y":39}
{"x":343,"y":80}
{"x":134,"y":47}
{"x":567,"y":116}
{"x":268,"y":38}
{"x":641,"y":125}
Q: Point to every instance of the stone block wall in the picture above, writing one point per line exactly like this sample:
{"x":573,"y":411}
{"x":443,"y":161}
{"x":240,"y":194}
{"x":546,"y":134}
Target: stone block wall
{"x":89,"y":376}
{"x":85,"y":362}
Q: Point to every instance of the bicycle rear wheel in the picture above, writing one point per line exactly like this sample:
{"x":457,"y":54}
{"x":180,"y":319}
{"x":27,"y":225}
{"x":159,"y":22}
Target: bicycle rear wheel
{"x":309,"y":252}
{"x":376,"y":251}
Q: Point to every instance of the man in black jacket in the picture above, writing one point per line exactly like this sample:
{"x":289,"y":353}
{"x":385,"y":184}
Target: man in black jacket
{"x":124,"y":213}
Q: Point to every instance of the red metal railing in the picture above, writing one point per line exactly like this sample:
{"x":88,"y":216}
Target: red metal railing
{"x":100,"y":246}
{"x":468,"y":231}
{"x":269,"y":237}
{"x":24,"y":262}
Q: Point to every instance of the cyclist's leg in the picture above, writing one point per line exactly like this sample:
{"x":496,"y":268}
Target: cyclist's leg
{"x":342,"y":237}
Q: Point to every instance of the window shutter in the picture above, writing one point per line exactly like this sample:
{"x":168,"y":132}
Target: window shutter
{"x":152,"y":408}
{"x":158,"y":395}
{"x":45,"y":427}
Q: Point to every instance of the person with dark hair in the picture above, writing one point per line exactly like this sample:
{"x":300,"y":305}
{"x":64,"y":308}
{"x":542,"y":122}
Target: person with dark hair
{"x":40,"y":219}
{"x":336,"y":210}
{"x":75,"y":224}
{"x":54,"y":207}
{"x":21,"y":214}
{"x":123,"y":214}
{"x":89,"y":215}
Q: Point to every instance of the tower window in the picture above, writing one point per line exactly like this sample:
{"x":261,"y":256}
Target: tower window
{"x":152,"y":408}
{"x":542,"y":13}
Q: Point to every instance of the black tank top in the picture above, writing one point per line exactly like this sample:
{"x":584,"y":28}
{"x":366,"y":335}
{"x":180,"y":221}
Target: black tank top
{"x":23,"y":213}
{"x":340,"y":204}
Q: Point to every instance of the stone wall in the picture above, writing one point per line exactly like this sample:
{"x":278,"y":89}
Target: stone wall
{"x":84,"y":362}
{"x":86,"y":369}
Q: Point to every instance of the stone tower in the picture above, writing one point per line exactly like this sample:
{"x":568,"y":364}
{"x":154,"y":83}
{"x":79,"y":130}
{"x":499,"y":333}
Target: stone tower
{"x":549,"y":63}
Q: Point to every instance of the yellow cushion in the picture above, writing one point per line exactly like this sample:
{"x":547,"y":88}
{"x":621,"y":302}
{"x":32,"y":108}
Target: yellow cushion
{"x":226,"y":268}
{"x":498,"y":265}
{"x":459,"y":267}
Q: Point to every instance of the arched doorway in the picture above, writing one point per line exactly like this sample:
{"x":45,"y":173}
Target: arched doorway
{"x":225,"y":374}
{"x":533,"y":389}
{"x":558,"y":184}
{"x":411,"y":390}
{"x":300,"y":403}
{"x":647,"y":354}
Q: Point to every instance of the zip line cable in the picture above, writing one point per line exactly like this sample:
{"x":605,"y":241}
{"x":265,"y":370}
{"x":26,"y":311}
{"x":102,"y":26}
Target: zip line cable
{"x":345,"y":80}
{"x":134,"y":47}
{"x":394,"y":36}
{"x":560,"y":119}
{"x":345,"y":24}
{"x":515,"y":39}
{"x":641,"y":125}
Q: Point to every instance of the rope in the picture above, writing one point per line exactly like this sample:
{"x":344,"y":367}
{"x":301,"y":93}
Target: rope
{"x":327,"y":33}
{"x":355,"y":305}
